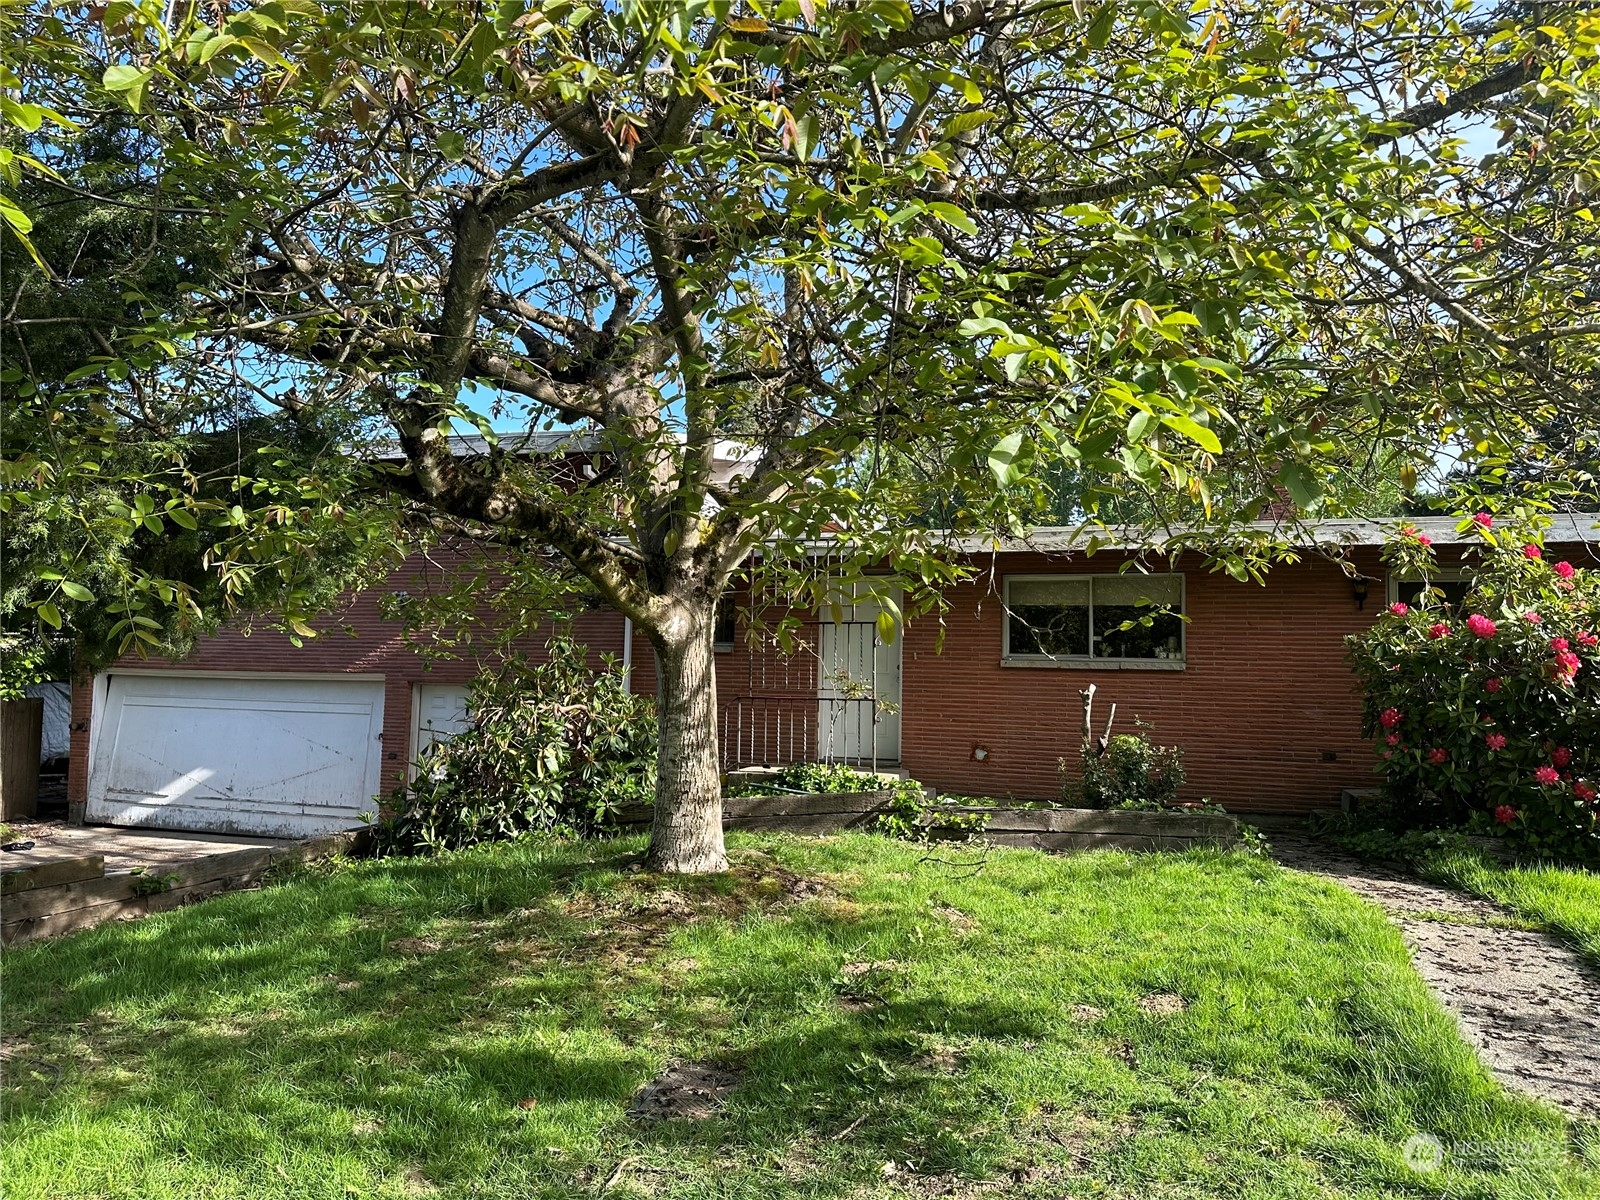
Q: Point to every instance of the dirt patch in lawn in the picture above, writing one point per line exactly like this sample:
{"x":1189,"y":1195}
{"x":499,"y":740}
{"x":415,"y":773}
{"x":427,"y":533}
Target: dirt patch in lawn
{"x":1163,"y":1004}
{"x":683,"y":1092}
{"x":646,"y":901}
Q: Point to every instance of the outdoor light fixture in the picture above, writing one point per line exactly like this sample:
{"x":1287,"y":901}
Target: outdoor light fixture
{"x":1358,"y":589}
{"x":979,"y":753}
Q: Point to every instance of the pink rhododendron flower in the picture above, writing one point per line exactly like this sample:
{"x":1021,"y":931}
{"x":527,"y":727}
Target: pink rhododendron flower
{"x":1545,"y":776}
{"x":1438,"y":757}
{"x":1559,"y":644}
{"x":1424,"y":540}
{"x":1480,"y":625}
{"x":1399,"y":609}
{"x":1564,"y":569}
{"x":1505,"y":814}
{"x":1566,"y":665}
{"x":1533,"y":618}
{"x":1587,"y":639}
{"x":1561,"y":756}
{"x":1585,"y":792}
{"x":1493,"y":684}
{"x":1438,"y":631}
{"x":1389,"y":718}
{"x":1532,"y":551}
{"x":1393,"y":739}
{"x":1495,"y":741}
{"x":1484,"y":520}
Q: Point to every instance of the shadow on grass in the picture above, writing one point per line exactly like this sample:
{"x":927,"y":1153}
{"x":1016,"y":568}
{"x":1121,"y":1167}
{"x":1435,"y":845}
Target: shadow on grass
{"x":485,"y":1017}
{"x":453,"y":1012}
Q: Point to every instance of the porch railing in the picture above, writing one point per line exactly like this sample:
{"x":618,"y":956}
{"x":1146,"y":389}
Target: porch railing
{"x":777,"y":730}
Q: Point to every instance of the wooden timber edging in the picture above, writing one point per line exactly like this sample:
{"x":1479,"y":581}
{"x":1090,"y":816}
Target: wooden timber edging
{"x":1032,"y":828}
{"x":65,"y":906}
{"x":808,"y":812}
{"x":51,"y":872}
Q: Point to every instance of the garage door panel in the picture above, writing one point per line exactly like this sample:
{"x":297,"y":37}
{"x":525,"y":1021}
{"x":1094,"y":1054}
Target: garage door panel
{"x":276,"y":757}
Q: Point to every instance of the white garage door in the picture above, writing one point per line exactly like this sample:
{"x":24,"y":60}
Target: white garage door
{"x":279,"y":757}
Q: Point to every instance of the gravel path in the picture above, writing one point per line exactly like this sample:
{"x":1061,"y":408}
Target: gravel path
{"x":1527,"y":1001}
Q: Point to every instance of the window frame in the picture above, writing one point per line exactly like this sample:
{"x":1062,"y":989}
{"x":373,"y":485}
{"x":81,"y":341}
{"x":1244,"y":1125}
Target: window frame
{"x":1396,"y":580}
{"x":731,"y":601}
{"x":1089,"y":662}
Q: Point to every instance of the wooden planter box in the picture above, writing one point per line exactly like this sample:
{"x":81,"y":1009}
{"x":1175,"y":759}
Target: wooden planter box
{"x":1105,"y":828}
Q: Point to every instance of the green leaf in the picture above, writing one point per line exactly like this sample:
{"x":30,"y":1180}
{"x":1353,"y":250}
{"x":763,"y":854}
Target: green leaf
{"x":128,"y":80}
{"x":26,"y":117}
{"x":1304,"y":488}
{"x":16,"y":218}
{"x":975,"y":327}
{"x":887,"y":628}
{"x":1100,"y":28}
{"x":265,"y":51}
{"x":962,"y":122}
{"x":805,"y":137}
{"x":76,"y":591}
{"x":1194,"y":431}
{"x":214,"y":46}
{"x":452,"y":145}
{"x":50,"y":615}
{"x":121,"y":77}
{"x":953,"y":215}
{"x":1002,"y":458}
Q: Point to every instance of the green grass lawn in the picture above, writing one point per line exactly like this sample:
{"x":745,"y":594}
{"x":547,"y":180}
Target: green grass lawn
{"x":908,"y":1023}
{"x":1566,"y":900}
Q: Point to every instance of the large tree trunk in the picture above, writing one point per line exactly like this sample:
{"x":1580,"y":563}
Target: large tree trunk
{"x":686,"y":832}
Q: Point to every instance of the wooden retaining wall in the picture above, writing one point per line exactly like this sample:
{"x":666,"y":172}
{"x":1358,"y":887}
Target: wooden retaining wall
{"x":1107,"y":829}
{"x":64,"y":895}
{"x":811,"y":812}
{"x":1030,"y":828}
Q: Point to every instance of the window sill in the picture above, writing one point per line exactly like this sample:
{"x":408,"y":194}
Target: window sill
{"x":1097,"y":664}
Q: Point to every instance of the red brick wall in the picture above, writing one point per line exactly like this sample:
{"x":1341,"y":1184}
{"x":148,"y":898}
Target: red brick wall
{"x":1264,"y":699}
{"x":372,"y":646}
{"x":1264,"y":695}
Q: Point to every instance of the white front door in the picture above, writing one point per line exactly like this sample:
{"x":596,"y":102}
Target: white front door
{"x":278,"y":757}
{"x":859,"y":685}
{"x":441,"y":713}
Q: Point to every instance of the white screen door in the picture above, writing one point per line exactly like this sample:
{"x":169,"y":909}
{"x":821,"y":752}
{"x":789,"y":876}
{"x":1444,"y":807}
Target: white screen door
{"x":858,"y":685}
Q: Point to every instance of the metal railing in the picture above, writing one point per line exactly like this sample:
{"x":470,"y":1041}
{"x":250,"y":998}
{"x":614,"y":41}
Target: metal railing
{"x":776,"y":730}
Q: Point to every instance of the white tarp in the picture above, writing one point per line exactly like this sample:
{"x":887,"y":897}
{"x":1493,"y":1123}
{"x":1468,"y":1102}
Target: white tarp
{"x":57,"y":697}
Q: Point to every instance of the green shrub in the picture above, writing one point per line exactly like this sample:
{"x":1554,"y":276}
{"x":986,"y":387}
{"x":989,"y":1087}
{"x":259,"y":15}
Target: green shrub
{"x":1488,"y":715}
{"x":828,"y":777}
{"x":909,"y":814}
{"x":552,"y":748}
{"x":1133,"y":772}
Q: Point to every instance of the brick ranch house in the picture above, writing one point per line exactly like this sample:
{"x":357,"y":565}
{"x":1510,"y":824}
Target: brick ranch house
{"x":251,"y":734}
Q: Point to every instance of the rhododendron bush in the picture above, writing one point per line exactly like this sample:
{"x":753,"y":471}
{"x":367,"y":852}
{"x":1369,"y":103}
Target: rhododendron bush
{"x":1488,"y":713}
